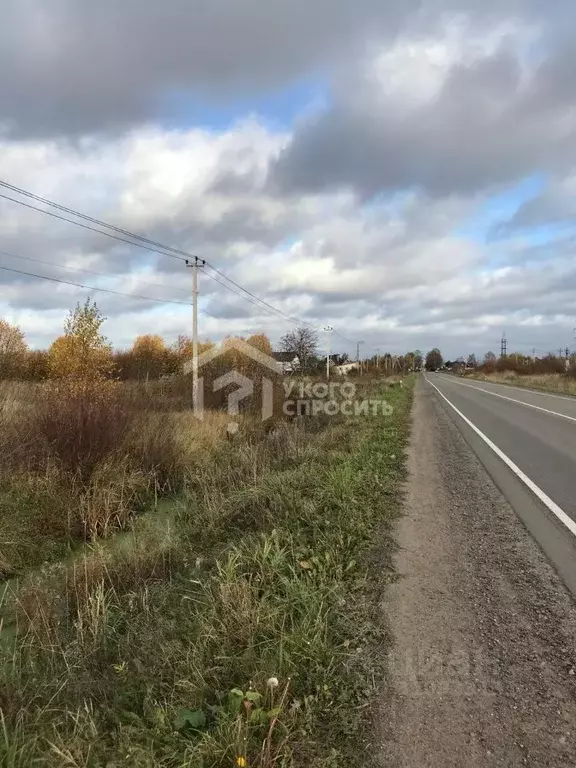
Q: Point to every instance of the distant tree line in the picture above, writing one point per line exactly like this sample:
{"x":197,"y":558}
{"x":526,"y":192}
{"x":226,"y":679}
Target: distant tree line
{"x":515,"y":362}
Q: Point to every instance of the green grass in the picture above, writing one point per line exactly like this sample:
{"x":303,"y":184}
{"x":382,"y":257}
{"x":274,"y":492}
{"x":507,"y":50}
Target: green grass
{"x":159,"y":653}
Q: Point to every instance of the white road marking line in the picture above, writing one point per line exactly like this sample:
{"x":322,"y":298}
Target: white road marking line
{"x":525,"y":389}
{"x":513,"y":400}
{"x":538,"y":492}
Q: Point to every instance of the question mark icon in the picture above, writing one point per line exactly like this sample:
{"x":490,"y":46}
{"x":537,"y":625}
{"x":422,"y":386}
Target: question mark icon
{"x":246,"y":388}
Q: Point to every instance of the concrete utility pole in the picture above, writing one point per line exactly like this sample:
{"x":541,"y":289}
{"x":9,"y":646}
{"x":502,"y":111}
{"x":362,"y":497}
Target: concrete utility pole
{"x":358,"y":355}
{"x":329,"y":330}
{"x":194,"y":265}
{"x":377,"y":358}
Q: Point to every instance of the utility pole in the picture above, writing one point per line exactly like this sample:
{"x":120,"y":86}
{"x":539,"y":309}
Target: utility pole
{"x":358,"y":355}
{"x":194,"y":265}
{"x":329,"y":330}
{"x":503,"y":345}
{"x":377,"y":356}
{"x":567,"y":352}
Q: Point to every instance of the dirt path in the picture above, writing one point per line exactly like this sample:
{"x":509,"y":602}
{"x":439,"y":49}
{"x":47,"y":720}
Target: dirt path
{"x":483,"y":671}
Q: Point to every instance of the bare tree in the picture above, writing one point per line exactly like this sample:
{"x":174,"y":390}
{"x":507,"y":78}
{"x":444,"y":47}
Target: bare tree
{"x":303,"y":344}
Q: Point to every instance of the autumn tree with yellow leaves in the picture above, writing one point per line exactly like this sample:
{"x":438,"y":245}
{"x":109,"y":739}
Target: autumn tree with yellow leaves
{"x":83,"y":416}
{"x":150,"y":357}
{"x":13,"y":350}
{"x":83,"y":352}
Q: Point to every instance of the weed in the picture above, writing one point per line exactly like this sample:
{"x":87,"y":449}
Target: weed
{"x":229,"y":627}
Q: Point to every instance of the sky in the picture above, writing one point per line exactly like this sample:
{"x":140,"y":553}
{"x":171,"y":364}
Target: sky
{"x":404,"y":172}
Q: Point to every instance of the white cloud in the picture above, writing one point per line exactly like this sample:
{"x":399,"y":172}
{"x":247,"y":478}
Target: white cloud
{"x":329,"y":221}
{"x":414,"y":70}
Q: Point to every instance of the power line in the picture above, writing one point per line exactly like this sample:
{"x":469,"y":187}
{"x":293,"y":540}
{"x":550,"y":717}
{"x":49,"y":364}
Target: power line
{"x":86,"y":226}
{"x":183,"y":255}
{"x":279,"y":311}
{"x":100,"y":274}
{"x":103,"y":290}
{"x":84,"y":216}
{"x":145,"y":243}
{"x":87,"y":271}
{"x":148,"y":244}
{"x":263,"y":306}
{"x":350,"y":341}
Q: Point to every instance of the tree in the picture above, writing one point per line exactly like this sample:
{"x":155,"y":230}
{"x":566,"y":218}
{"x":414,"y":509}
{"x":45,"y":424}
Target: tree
{"x":150,"y":356}
{"x":183,"y":351}
{"x":261,"y":342}
{"x":36,"y":365}
{"x":184,"y":348}
{"x":13,"y":349}
{"x":472,"y":362}
{"x":489,"y":362}
{"x":82,"y":352}
{"x":418,"y":360}
{"x":434,"y":360}
{"x":303,"y":344}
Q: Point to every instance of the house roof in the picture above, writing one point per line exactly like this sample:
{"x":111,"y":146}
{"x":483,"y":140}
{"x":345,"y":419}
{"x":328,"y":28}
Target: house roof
{"x":284,"y":357}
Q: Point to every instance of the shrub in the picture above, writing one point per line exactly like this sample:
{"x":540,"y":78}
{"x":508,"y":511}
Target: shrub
{"x":83,"y":422}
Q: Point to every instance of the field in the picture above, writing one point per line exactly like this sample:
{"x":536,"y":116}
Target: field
{"x":173,"y":597}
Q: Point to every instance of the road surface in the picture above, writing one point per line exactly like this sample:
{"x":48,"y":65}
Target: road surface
{"x":483,"y":669}
{"x":535,"y":461}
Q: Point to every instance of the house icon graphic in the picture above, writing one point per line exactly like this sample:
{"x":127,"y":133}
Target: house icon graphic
{"x":245,"y":384}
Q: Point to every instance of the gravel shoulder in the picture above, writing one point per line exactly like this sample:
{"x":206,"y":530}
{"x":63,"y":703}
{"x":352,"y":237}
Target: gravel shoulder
{"x":482,"y":672}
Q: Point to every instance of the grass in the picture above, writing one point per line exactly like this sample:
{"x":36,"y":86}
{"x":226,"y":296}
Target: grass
{"x":233,"y":625}
{"x":546,"y":382}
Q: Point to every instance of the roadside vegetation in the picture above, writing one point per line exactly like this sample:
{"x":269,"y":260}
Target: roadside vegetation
{"x":550,"y":373}
{"x":173,"y":595}
{"x":559,"y":383}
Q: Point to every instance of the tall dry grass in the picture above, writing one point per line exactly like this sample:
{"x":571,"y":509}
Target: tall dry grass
{"x":232,"y":628}
{"x":547,"y":382}
{"x":80,"y":461}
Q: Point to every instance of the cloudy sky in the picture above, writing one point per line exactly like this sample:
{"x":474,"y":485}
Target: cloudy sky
{"x":404,"y":171}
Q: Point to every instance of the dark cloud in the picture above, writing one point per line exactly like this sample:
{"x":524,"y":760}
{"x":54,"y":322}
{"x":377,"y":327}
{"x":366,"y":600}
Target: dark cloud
{"x":487,"y":125}
{"x":71,"y":67}
{"x":77,"y":67}
{"x":393,"y":272}
{"x":554,"y":205}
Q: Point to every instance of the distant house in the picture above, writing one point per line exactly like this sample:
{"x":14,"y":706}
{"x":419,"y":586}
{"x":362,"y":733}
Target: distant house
{"x":288,"y":362}
{"x":344,"y":370}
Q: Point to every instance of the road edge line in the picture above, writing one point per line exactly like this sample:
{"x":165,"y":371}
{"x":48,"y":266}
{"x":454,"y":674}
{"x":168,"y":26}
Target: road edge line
{"x":538,"y":492}
{"x":520,"y":402}
{"x":570,"y":398}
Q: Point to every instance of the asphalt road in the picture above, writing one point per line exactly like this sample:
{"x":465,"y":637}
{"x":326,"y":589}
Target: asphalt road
{"x":527,"y":442}
{"x":482,"y":672}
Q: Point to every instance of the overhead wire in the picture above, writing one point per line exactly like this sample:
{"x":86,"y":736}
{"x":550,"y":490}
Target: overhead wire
{"x":148,"y":244}
{"x":87,"y":271}
{"x":100,"y":289}
{"x":151,"y":246}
